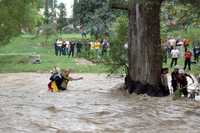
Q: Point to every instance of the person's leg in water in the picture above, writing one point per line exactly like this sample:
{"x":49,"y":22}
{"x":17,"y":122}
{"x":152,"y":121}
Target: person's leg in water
{"x":184,"y":90}
{"x":174,"y":85}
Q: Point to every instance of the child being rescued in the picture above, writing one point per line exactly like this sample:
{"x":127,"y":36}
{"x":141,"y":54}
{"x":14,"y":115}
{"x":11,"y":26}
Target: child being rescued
{"x":59,"y":80}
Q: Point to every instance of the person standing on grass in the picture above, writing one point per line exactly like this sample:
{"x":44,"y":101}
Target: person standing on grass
{"x":63,"y":48}
{"x":56,"y":47}
{"x":164,"y":52}
{"x":105,"y":46}
{"x":67,"y":47}
{"x":186,"y":43}
{"x":78,"y":47}
{"x":196,"y":50}
{"x":188,"y":57}
{"x":97,"y":46}
{"x":195,"y":53}
{"x":172,"y":43}
{"x":71,"y":51}
{"x":174,"y":55}
{"x":59,"y":46}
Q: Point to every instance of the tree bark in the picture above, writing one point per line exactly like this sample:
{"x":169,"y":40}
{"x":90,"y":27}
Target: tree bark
{"x":144,"y":52}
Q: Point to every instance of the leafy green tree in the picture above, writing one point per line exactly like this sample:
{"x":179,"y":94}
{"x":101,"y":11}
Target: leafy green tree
{"x":118,"y":50}
{"x":62,"y":20}
{"x":17,"y":16}
{"x":94,"y":16}
{"x":178,"y":15}
{"x":46,"y":12}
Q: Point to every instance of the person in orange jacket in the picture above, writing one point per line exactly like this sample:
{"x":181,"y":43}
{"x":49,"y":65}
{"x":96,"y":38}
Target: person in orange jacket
{"x":188,"y":57}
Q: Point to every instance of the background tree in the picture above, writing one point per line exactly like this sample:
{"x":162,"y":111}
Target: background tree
{"x":62,"y":20}
{"x":46,"y":12}
{"x":177,"y":16}
{"x":17,"y":16}
{"x":144,"y":49}
{"x":94,"y":16}
{"x":118,"y":42}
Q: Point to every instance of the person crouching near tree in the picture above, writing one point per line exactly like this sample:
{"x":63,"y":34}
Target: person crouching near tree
{"x":182,"y":81}
{"x":174,"y":76}
{"x":188,"y":57}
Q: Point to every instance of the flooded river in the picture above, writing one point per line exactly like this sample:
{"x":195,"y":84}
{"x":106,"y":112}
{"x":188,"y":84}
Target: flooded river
{"x":90,"y":105}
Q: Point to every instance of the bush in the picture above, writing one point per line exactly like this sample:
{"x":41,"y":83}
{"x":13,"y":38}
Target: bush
{"x":118,"y":53}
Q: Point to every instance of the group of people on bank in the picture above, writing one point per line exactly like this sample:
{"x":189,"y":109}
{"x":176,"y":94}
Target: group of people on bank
{"x":100,"y":47}
{"x":175,"y":48}
{"x":63,"y":48}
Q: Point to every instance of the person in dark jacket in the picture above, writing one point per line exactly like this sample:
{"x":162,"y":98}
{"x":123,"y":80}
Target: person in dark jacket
{"x":182,"y":81}
{"x":72,"y":48}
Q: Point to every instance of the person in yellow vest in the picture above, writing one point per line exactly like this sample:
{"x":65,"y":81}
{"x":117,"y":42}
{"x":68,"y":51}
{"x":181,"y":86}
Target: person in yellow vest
{"x":97,"y":46}
{"x":92,"y":45}
{"x":59,"y":80}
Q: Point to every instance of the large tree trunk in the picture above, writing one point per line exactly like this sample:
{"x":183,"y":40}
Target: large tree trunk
{"x":144,"y":53}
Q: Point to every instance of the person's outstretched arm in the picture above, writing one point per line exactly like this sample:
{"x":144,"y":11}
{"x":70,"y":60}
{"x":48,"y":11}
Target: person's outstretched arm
{"x":74,"y":79}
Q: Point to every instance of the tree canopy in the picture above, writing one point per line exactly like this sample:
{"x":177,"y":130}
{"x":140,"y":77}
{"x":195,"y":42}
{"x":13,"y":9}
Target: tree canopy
{"x":94,"y":15}
{"x":17,"y":16}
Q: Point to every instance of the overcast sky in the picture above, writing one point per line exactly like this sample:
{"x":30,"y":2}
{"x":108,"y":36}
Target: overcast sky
{"x":69,"y":4}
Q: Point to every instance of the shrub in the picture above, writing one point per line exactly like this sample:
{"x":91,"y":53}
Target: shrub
{"x":118,"y":53}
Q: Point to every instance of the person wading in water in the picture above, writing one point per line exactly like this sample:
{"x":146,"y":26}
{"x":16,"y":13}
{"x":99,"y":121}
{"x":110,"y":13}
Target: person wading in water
{"x":179,"y":81}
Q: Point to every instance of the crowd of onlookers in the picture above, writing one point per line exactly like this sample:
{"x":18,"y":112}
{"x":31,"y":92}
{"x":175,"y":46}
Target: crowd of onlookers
{"x":70,"y":48}
{"x":172,"y":48}
{"x":66,"y":48}
{"x":177,"y":48}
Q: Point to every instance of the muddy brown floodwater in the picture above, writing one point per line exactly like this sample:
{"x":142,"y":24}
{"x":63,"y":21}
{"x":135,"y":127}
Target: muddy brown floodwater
{"x":90,"y":105}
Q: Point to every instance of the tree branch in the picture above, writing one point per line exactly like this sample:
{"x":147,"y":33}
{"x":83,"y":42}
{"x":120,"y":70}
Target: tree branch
{"x":119,"y":6}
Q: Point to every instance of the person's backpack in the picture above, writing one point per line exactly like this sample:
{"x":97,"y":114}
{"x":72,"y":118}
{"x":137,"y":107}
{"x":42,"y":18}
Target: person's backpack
{"x":56,"y":81}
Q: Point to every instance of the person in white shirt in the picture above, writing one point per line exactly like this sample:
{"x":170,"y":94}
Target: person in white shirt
{"x":59,"y":45}
{"x":172,"y":42}
{"x":174,"y":55}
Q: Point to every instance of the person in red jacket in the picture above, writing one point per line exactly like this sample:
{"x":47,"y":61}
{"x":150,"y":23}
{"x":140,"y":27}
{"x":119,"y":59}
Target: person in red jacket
{"x":188,"y":57}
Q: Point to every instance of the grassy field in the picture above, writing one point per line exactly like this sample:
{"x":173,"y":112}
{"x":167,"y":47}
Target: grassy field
{"x":14,"y":57}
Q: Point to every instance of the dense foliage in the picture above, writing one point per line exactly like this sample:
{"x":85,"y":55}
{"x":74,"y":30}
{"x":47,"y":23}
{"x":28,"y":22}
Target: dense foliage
{"x":17,"y":16}
{"x":177,"y":16}
{"x":94,"y":16}
{"x":62,"y":19}
{"x":118,"y":47}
